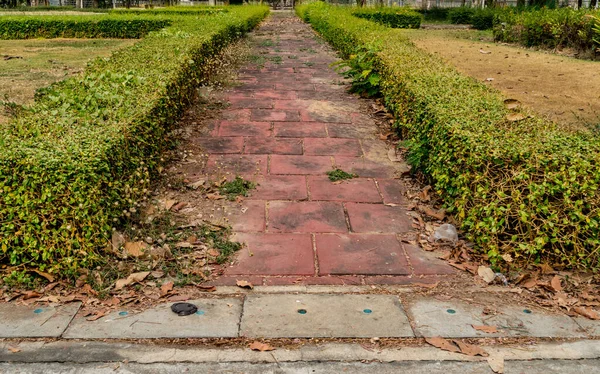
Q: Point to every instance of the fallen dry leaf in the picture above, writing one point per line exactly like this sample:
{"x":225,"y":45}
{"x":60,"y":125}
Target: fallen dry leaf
{"x":14,"y":350}
{"x":393,"y":156}
{"x":98,"y":315}
{"x":166,"y":288}
{"x":470,"y":349}
{"x":177,"y":207}
{"x":512,"y":103}
{"x":213,"y":252}
{"x":197,"y":184}
{"x":131,"y":279}
{"x":262,"y":347}
{"x":244,"y":284}
{"x":587,"y":312}
{"x":179,"y":298}
{"x":515,"y":117}
{"x":484,"y":52}
{"x":426,"y":285}
{"x":485,"y":328}
{"x":556,"y":283}
{"x":207,"y":288}
{"x":424,"y":195}
{"x":48,"y":276}
{"x":496,"y":364}
{"x":486,"y":274}
{"x":443,"y":344}
{"x":214,"y":196}
{"x":31,"y":295}
{"x":135,"y":249}
{"x":439,"y":215}
{"x":169,"y":204}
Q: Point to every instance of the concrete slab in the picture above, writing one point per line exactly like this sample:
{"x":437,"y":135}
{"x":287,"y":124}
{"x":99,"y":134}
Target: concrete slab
{"x":592,"y":328}
{"x":215,"y":318}
{"x":455,"y":319}
{"x":22,"y":321}
{"x":275,"y":316}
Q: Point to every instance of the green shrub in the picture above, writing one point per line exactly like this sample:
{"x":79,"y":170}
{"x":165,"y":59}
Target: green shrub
{"x":402,"y":18}
{"x":78,"y":161}
{"x":525,"y":188}
{"x":183,"y":10}
{"x":596,"y":37}
{"x":461,"y":15}
{"x":128,"y":27}
{"x":434,"y":14}
{"x":551,"y":28}
{"x":483,"y":19}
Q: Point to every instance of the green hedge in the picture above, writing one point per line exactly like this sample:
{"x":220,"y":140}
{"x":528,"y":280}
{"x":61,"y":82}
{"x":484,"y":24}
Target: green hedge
{"x":183,"y":10}
{"x":483,"y":19}
{"x":461,"y":15}
{"x":401,"y":18}
{"x":76,"y":163}
{"x":434,"y":13}
{"x":525,"y":188}
{"x":551,"y":28}
{"x":125,"y":27}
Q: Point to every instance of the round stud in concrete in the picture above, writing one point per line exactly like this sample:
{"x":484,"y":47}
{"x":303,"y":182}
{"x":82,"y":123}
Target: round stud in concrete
{"x":527,"y":311}
{"x":450,"y":311}
{"x":200,"y":312}
{"x":367,"y":311}
{"x":38,"y":311}
{"x":123,"y":313}
{"x":302,"y":311}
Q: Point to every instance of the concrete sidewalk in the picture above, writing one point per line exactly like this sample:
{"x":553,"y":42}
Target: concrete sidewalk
{"x":281,"y":312}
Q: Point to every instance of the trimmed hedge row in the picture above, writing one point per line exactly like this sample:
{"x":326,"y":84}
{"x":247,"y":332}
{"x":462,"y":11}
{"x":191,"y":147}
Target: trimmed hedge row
{"x":76,"y":163}
{"x":521,"y":187}
{"x":27,"y":27}
{"x":186,"y":10}
{"x":401,"y":18}
{"x":551,"y":28}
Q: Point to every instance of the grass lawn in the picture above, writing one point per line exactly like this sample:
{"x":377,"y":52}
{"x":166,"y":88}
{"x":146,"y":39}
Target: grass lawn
{"x":26,"y":65}
{"x":564,"y":89}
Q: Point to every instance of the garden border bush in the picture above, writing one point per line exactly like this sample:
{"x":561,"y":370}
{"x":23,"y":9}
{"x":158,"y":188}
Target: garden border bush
{"x":550,"y":28}
{"x":88,"y":26}
{"x":395,"y":17}
{"x":78,"y":162}
{"x":523,"y":187}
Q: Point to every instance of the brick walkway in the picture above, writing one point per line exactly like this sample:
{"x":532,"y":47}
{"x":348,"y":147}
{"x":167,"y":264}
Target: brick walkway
{"x":290,"y":121}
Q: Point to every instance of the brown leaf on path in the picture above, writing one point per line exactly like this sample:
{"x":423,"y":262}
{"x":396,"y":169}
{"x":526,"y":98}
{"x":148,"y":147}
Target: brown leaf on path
{"x":131,"y":279}
{"x":214,"y":196}
{"x":244,"y":284}
{"x":135,"y":249}
{"x":546,"y":269}
{"x":393,"y":156}
{"x":496,"y":364}
{"x":49,"y":277}
{"x":470,"y":349}
{"x":556,"y":283}
{"x":262,"y":347}
{"x":213,"y":252}
{"x":530,"y":283}
{"x":177,"y":207}
{"x":166,"y":288}
{"x":439,"y":215}
{"x":14,"y":350}
{"x":587,"y":312}
{"x":207,"y":288}
{"x":485,"y":328}
{"x":99,"y":314}
{"x":31,"y":295}
{"x":426,"y":285}
{"x":179,"y":298}
{"x":169,"y":204}
{"x":515,"y":117}
{"x":424,"y":195}
{"x":484,"y":52}
{"x":512,"y":103}
{"x":443,"y":344}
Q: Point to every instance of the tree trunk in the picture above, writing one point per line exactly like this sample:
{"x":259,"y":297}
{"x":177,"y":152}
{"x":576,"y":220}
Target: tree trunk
{"x":593,"y":3}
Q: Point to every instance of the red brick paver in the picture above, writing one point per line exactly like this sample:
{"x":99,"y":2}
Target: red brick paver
{"x":288,"y":123}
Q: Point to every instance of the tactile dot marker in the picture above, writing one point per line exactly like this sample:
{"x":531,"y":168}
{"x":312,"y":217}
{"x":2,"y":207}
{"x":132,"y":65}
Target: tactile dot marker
{"x":200,"y":312}
{"x":527,"y":311}
{"x":38,"y":311}
{"x":123,"y":313}
{"x":302,"y":311}
{"x":451,"y":311}
{"x":367,"y":311}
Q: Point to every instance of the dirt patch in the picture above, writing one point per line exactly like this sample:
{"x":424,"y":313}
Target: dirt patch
{"x":26,"y":65}
{"x":564,"y":89}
